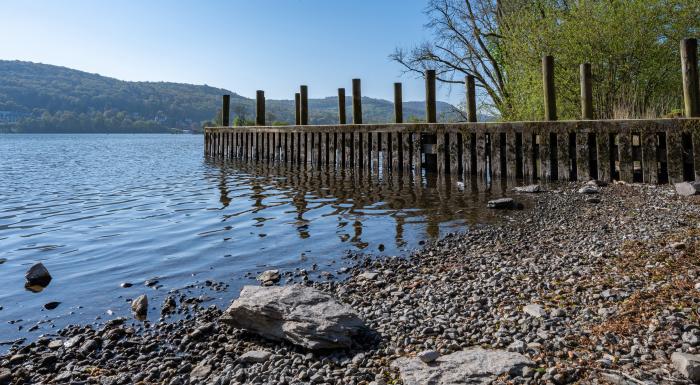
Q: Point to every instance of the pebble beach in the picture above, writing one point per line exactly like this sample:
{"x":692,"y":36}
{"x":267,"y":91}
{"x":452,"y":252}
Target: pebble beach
{"x":584,"y":286}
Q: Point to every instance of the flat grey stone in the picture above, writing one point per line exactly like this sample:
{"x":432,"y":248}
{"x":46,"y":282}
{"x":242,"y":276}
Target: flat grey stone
{"x":428,"y":356}
{"x":589,"y":189}
{"x":272,"y":276}
{"x":200,"y":372}
{"x":474,"y":366}
{"x":687,"y":189}
{"x":298,"y":314}
{"x":255,"y":356}
{"x":501,"y":203}
{"x":516,"y":346}
{"x":687,"y":364}
{"x":535,"y":310}
{"x":529,"y":189}
{"x":370,"y":276}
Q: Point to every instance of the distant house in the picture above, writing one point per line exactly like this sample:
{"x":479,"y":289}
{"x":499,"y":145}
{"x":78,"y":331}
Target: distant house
{"x":9,"y":117}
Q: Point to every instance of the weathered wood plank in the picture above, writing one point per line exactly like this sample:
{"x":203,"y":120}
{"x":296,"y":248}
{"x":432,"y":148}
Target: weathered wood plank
{"x":511,"y":154}
{"x":386,"y":156}
{"x":626,"y":160}
{"x":366,"y":153}
{"x":563,"y":156}
{"x":674,"y":152}
{"x":441,"y":149}
{"x":582,"y":164}
{"x":454,"y":153}
{"x":406,"y":152}
{"x":323,"y":138}
{"x":395,"y":152}
{"x":466,"y":155}
{"x":417,"y":157}
{"x":603,"y":149}
{"x":650,"y":163}
{"x":376,"y":146}
{"x":357,"y":150}
{"x":481,"y":154}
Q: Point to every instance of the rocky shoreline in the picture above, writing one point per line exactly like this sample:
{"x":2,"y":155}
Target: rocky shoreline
{"x":575,"y":290}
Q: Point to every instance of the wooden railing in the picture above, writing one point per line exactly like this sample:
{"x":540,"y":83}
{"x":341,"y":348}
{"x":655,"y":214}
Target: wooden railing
{"x":651,"y":151}
{"x":646,"y":150}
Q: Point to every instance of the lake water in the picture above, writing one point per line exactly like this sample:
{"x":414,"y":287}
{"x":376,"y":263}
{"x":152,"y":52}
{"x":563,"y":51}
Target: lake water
{"x":99,"y":210}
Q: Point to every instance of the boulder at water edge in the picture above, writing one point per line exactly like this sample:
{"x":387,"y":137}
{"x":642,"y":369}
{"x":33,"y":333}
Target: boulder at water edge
{"x":472,"y":366}
{"x":298,"y":314}
{"x":38,"y":275}
{"x":687,"y":189}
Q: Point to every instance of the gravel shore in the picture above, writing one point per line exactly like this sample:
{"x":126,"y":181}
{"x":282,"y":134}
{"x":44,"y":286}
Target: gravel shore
{"x":591,"y":290}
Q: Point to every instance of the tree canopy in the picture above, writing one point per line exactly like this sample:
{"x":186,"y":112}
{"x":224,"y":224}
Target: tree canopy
{"x":632,"y":45}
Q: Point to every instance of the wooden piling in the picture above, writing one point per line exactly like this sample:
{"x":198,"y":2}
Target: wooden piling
{"x":471,"y":98}
{"x":225,"y":110}
{"x":586,"y":92}
{"x":550,"y":101}
{"x":341,"y":106}
{"x":297,"y":109}
{"x":304,"y":105}
{"x":356,"y":101}
{"x":430,"y":99}
{"x":259,"y":108}
{"x":689,"y":66}
{"x":398,"y":103}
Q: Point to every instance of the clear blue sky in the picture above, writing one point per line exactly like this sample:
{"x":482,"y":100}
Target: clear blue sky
{"x":241,"y":45}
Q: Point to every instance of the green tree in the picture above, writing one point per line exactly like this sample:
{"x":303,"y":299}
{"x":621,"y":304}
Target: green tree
{"x":631,"y":44}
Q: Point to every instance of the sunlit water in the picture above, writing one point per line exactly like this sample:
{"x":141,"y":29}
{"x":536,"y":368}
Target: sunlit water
{"x":99,"y":210}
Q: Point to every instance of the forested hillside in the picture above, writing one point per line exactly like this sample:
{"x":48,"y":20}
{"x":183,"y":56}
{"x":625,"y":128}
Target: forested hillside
{"x":45,"y":98}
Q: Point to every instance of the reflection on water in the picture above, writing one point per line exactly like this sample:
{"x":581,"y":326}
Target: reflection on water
{"x":99,"y":210}
{"x":355,"y":198}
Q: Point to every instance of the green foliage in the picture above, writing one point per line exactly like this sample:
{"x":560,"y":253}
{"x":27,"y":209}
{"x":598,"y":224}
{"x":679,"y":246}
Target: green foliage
{"x":58,"y":99}
{"x":633,"y":46}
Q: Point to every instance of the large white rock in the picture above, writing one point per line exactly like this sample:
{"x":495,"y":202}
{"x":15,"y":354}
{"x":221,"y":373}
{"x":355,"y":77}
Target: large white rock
{"x":688,"y":188}
{"x":530,"y":189}
{"x":535,"y":310}
{"x":301,"y":315}
{"x":473,"y":366}
{"x":688,"y":365}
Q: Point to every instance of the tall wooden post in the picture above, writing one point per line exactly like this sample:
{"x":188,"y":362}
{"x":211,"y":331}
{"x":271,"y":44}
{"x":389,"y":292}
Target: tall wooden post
{"x":259,"y":108}
{"x":341,"y":106}
{"x":398,"y":103}
{"x":297,"y":108}
{"x":689,"y":66}
{"x":471,"y":98}
{"x":356,"y":101}
{"x":586,"y":92}
{"x":430,"y":100}
{"x":225,"y":110}
{"x":304,"y":105}
{"x":550,"y":101}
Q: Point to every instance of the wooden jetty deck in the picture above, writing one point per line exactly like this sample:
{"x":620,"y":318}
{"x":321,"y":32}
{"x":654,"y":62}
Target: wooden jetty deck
{"x":644,"y":150}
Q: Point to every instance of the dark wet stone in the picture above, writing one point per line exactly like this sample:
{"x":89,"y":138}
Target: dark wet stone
{"x":37,"y":275}
{"x":51,"y":305}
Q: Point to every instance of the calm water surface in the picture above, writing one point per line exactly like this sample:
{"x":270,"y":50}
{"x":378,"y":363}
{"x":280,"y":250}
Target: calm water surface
{"x":99,"y":210}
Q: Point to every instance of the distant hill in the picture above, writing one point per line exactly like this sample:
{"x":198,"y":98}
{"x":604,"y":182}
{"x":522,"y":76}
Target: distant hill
{"x":46,"y":98}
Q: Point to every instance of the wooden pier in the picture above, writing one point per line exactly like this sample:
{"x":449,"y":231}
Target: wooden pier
{"x":644,"y":150}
